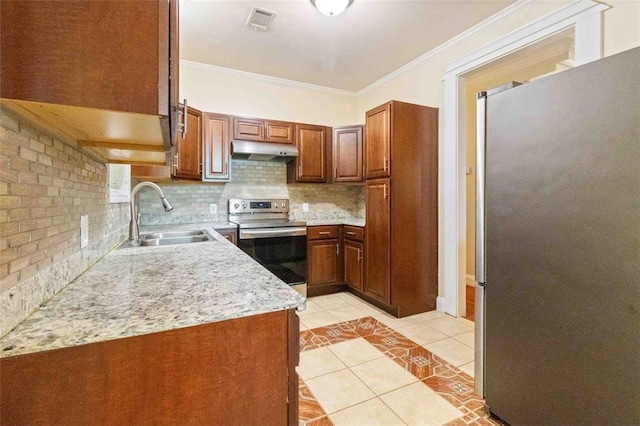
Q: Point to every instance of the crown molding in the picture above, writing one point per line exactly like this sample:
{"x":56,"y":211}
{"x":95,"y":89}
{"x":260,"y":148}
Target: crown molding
{"x":268,"y":79}
{"x":493,"y":19}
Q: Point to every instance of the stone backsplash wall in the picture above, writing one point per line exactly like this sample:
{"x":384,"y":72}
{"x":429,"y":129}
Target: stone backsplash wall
{"x":250,"y":179}
{"x":45,"y":186}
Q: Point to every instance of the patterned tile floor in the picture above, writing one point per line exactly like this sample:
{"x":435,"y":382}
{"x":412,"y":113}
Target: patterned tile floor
{"x":360,"y":366}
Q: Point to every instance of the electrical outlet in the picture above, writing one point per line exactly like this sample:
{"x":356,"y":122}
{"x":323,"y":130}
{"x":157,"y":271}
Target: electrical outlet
{"x":305,"y":207}
{"x":213,"y":208}
{"x":84,"y":231}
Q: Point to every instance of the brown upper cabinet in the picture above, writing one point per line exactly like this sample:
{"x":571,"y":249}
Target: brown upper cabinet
{"x":71,"y":58}
{"x":254,"y":129}
{"x":347,"y":154}
{"x":216,"y":143}
{"x":378,"y":142}
{"x":187,"y":157}
{"x":312,"y":163}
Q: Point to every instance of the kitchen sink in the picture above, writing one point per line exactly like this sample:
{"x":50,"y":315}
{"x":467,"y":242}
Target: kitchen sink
{"x":175,"y":234}
{"x":170,"y":238}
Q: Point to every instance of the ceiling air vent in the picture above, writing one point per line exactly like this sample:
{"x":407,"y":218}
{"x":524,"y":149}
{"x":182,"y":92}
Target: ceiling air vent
{"x":260,"y":18}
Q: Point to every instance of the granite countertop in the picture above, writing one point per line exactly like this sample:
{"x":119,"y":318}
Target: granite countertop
{"x":353,"y":221}
{"x":141,"y":290}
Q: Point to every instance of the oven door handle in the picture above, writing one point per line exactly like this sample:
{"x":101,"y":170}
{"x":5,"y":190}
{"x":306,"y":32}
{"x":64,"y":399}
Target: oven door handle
{"x":250,"y":234}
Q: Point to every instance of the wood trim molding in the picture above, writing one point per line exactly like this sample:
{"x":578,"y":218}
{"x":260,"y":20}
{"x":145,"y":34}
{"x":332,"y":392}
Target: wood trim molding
{"x":452,"y":263}
{"x":120,"y":145}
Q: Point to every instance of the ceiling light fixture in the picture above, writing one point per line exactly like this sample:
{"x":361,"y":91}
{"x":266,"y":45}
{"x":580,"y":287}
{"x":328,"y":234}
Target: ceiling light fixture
{"x":331,"y":7}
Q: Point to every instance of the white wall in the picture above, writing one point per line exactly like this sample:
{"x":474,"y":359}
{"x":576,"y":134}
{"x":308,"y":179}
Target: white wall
{"x":217,"y":90}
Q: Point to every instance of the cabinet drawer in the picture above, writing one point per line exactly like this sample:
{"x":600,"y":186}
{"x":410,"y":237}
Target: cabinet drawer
{"x":354,"y":233}
{"x":322,"y":232}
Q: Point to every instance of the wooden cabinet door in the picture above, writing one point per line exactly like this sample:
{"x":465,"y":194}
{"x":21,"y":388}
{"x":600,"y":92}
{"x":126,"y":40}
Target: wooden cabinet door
{"x":278,"y":131}
{"x":347,"y":154}
{"x":323,"y":262}
{"x":229,"y":234}
{"x":311,"y":163}
{"x":378,"y":142}
{"x":378,"y":238}
{"x":216,"y":144}
{"x":353,"y":262}
{"x":187,"y":160}
{"x":248,"y":129}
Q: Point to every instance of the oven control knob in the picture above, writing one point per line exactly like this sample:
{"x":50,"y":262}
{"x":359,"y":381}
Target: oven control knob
{"x":236,"y":206}
{"x":244,"y":206}
{"x":275,"y":205}
{"x":284,"y":206}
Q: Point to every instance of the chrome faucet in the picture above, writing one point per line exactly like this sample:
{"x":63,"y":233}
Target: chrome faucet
{"x":134,"y":225}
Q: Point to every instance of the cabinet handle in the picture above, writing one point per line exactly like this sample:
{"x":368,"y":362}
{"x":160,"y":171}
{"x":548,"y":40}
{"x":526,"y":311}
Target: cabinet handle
{"x":299,"y":170}
{"x":351,"y":233}
{"x":359,"y":255}
{"x":385,"y":190}
{"x":175,"y":162}
{"x":384,"y":165}
{"x":337,"y":249}
{"x":184,"y":117}
{"x":324,"y":233}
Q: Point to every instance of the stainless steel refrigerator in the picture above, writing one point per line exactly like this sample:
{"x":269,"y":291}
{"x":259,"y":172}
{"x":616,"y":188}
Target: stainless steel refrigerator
{"x":558,"y":247}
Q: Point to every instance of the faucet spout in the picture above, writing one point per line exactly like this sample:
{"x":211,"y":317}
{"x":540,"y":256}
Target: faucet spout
{"x":134,"y":226}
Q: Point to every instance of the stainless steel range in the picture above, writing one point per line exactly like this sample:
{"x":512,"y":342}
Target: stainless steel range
{"x":267,"y":235}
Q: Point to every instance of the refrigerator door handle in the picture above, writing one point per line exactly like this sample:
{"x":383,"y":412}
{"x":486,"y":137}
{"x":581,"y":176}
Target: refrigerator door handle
{"x":481,"y":128}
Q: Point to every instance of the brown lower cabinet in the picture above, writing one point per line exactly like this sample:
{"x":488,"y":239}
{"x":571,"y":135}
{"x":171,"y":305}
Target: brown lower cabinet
{"x":229,"y":234}
{"x":353,"y":257}
{"x":239,"y":371}
{"x":323,"y":260}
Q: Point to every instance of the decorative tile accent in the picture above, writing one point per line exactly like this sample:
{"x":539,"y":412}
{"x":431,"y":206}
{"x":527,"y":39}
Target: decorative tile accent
{"x":445,"y":379}
{"x":310,"y":412}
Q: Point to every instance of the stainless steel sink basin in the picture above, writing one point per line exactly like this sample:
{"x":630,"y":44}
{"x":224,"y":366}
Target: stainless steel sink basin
{"x":174,"y":234}
{"x":170,"y":238}
{"x":165,"y":241}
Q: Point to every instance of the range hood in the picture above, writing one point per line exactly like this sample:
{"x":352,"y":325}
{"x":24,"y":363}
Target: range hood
{"x":262,"y":151}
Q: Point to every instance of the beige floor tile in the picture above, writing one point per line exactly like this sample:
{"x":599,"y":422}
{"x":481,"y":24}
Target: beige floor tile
{"x":303,"y":327}
{"x":383,"y":375}
{"x":468,"y":339}
{"x":317,"y":362}
{"x":312,"y":308}
{"x":421,"y":333}
{"x":426,"y":316}
{"x":339,"y":390}
{"x":331,"y":301}
{"x":347,"y":313}
{"x":468,"y":368}
{"x":318,"y":319}
{"x":451,"y":351}
{"x":356,"y":351}
{"x":450,"y":326}
{"x":370,"y":413}
{"x":393,"y":322}
{"x":416,"y":404}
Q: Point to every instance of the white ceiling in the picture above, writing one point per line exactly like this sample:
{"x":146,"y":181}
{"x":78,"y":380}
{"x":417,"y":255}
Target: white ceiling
{"x":371,"y":39}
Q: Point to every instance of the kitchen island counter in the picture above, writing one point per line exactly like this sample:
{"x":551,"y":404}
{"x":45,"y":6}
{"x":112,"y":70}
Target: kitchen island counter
{"x":142,"y":290}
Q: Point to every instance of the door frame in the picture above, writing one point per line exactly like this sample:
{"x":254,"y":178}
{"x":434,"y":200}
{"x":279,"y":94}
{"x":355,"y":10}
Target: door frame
{"x":585,"y":17}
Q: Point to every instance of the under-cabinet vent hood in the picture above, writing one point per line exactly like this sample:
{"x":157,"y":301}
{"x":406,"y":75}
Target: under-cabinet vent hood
{"x":262,"y":151}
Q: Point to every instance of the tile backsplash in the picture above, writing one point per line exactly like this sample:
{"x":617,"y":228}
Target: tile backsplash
{"x":251,"y":179}
{"x":45,"y":186}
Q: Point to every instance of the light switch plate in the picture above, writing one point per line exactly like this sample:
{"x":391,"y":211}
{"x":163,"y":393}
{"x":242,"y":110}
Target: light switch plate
{"x":305,"y":207}
{"x":213,"y":208}
{"x":84,"y":231}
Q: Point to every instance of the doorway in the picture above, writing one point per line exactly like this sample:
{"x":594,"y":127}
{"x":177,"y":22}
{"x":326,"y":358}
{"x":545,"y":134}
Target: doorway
{"x":584,"y":19}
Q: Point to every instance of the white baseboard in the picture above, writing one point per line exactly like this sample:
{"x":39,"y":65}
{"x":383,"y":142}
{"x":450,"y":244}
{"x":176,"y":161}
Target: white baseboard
{"x":470,"y":280}
{"x":440,"y":304}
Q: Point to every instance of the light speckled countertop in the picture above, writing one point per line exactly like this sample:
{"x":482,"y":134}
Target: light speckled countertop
{"x":141,"y":290}
{"x":353,"y":221}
